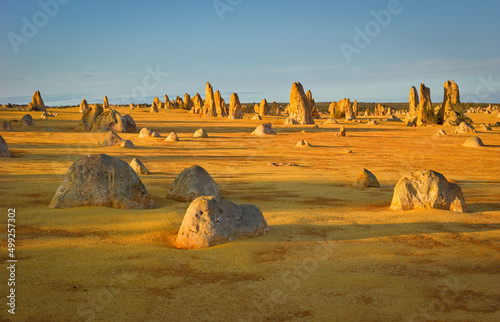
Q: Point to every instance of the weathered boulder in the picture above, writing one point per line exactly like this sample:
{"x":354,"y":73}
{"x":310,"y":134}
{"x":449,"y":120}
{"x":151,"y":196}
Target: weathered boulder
{"x":4,"y":149}
{"x":264,"y":129}
{"x":111,"y":120}
{"x":473,"y":142}
{"x":452,"y":118}
{"x":7,"y":127}
{"x":172,"y":137}
{"x":209,"y":109}
{"x":299,"y":110}
{"x":139,"y":167}
{"x":464,"y":127}
{"x":89,"y":117}
{"x":394,"y":118}
{"x":235,"y":112}
{"x":83,"y":106}
{"x":27,"y":120}
{"x":113,"y":139}
{"x":105,"y":103}
{"x":303,"y":143}
{"x":147,"y":133}
{"x":200,"y":133}
{"x":37,"y":103}
{"x":425,"y":190}
{"x":101,"y":180}
{"x":211,"y":221}
{"x":366,"y":179}
{"x":191,"y":183}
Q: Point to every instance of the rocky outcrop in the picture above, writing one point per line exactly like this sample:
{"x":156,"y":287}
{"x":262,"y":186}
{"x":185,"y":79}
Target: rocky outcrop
{"x":425,"y":106}
{"x":235,"y":112}
{"x":101,"y":180}
{"x":111,"y":120}
{"x":355,"y":108}
{"x":299,"y":110}
{"x":83,"y":106}
{"x":147,"y":133}
{"x":464,"y":127}
{"x":166,"y":105}
{"x":37,"y":103}
{"x":191,"y":183}
{"x":197,"y":104}
{"x":312,"y":105}
{"x":212,"y":221}
{"x":366,"y":179}
{"x":379,"y":110}
{"x":425,"y":190}
{"x":27,"y":120}
{"x":139,"y":167}
{"x":264,"y":108}
{"x":257,"y":117}
{"x":188,"y":104}
{"x":113,"y":139}
{"x":451,"y":98}
{"x":264,"y":129}
{"x":413,"y":106}
{"x":209,"y":109}
{"x":275,"y":109}
{"x":4,"y":149}
{"x":89,"y":117}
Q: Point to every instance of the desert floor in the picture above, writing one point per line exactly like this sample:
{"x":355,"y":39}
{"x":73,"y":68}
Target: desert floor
{"x":333,"y":252}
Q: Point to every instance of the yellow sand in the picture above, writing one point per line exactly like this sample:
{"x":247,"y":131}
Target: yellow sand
{"x":333,"y":252}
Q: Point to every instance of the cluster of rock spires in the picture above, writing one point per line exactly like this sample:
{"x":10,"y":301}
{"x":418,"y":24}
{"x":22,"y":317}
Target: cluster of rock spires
{"x":421,"y":111}
{"x":96,"y":118}
{"x":344,"y":108}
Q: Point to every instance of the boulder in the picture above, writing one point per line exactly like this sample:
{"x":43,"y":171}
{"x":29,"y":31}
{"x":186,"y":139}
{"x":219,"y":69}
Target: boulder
{"x":440,"y":132}
{"x":209,"y":109}
{"x":89,"y":117}
{"x":101,"y":180}
{"x":45,"y":115}
{"x":464,"y":127}
{"x":4,"y":149}
{"x":303,"y":143}
{"x":394,"y":118}
{"x":264,"y":129}
{"x":452,"y":118}
{"x":426,"y":189}
{"x":330,"y":121}
{"x":200,"y":133}
{"x":147,"y":133}
{"x":211,"y":221}
{"x":7,"y":127}
{"x":473,"y":142}
{"x":83,"y":106}
{"x":366,"y":179}
{"x":299,"y":110}
{"x":172,"y":137}
{"x":113,"y":139}
{"x":372,"y":122}
{"x":485,"y":127}
{"x":111,"y":120}
{"x":27,"y":120}
{"x":257,"y":117}
{"x":235,"y":112}
{"x":139,"y":167}
{"x":37,"y":103}
{"x":191,"y":183}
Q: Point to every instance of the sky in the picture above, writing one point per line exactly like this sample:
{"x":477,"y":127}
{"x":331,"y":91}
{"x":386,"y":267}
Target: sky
{"x":132,"y":51}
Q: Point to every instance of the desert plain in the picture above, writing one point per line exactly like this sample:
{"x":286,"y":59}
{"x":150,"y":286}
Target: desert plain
{"x":333,"y":252}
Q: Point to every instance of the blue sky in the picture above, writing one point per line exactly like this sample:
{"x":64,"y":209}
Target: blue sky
{"x":132,"y":51}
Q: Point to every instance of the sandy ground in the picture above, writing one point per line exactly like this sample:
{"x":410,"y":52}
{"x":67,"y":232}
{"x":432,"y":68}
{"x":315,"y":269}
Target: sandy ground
{"x":333,"y":252}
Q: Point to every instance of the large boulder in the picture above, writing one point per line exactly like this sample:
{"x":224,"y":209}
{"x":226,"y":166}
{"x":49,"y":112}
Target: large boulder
{"x":300,"y":112}
{"x":264,"y":129}
{"x":172,"y":137}
{"x":101,"y":180}
{"x":425,"y":190}
{"x":111,"y":120}
{"x":37,"y":103}
{"x":113,"y":139}
{"x":192,"y":183}
{"x":4,"y":149}
{"x":366,"y":179}
{"x":211,"y":221}
{"x":27,"y":120}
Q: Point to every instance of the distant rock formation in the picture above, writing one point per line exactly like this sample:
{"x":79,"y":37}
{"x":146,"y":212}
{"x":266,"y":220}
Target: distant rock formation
{"x":413,"y":106}
{"x":188,"y":104}
{"x":197,"y":104}
{"x":4,"y":149}
{"x":101,"y":180}
{"x":380,"y":110}
{"x":209,"y":109}
{"x":275,"y":109}
{"x":341,"y":131}
{"x":166,"y":105}
{"x":355,"y":108}
{"x":426,"y":190}
{"x":179,"y":103}
{"x":220,"y":106}
{"x":235,"y":112}
{"x":192,"y":183}
{"x":96,"y":119}
{"x":155,"y":105}
{"x":312,"y":105}
{"x":425,"y":106}
{"x":264,"y":108}
{"x":37,"y":103}
{"x":299,"y":110}
{"x":83,"y":106}
{"x":210,"y":221}
{"x":106,"y":104}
